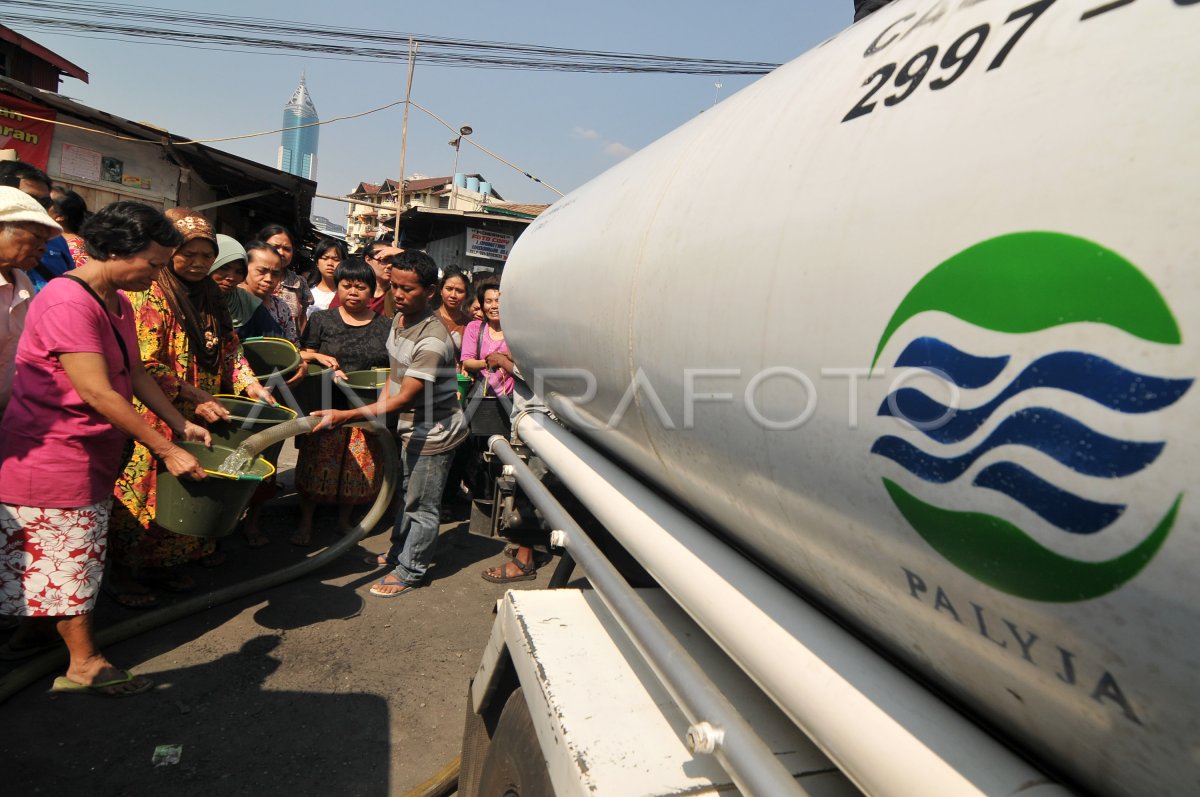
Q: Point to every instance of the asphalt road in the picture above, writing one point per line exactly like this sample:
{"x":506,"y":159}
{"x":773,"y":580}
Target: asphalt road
{"x":314,"y":687}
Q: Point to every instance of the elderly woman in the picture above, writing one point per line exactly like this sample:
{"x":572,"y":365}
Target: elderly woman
{"x":266,"y":313}
{"x":292,"y":289}
{"x":269,"y":314}
{"x":24,"y":230}
{"x":188,"y":344}
{"x":61,"y":441}
{"x":228,"y":271}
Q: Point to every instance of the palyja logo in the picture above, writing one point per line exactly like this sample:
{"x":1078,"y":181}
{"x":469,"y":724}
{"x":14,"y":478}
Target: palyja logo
{"x":1045,"y":434}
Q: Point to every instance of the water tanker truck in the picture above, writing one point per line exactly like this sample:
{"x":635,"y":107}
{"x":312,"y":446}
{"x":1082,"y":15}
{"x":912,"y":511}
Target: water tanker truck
{"x":865,"y":403}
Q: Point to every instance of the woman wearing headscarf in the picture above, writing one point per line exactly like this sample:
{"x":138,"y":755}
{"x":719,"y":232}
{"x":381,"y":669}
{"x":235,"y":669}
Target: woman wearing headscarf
{"x":228,"y":270}
{"x":189,"y":347}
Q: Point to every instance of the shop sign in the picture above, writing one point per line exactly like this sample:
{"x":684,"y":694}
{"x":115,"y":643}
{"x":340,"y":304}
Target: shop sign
{"x":29,"y":137}
{"x":491,"y":245}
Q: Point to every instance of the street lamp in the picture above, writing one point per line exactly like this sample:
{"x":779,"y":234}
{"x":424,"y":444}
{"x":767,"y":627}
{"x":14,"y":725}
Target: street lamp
{"x":456,"y":142}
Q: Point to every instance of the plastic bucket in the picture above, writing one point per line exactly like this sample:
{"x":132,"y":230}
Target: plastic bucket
{"x":270,"y":356}
{"x":247,"y":417}
{"x":315,"y":391}
{"x":208,"y":508}
{"x":464,"y":386}
{"x":365,"y":386}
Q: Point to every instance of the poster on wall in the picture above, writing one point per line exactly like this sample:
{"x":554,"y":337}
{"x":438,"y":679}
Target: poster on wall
{"x":79,"y":162}
{"x":492,"y":245}
{"x":112,"y":170}
{"x":30,"y":137}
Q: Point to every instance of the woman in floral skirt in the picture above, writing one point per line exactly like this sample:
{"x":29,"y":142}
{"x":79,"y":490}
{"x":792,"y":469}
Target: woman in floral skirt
{"x":61,"y":443}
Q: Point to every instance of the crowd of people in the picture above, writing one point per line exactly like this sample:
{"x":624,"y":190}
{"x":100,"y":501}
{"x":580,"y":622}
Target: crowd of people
{"x":119,"y":332}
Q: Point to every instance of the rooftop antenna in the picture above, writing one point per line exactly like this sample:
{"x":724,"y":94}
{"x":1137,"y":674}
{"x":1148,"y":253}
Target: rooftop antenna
{"x":717,"y":86}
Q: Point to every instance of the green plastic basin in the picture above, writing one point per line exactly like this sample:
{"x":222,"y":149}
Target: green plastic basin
{"x":248,"y":417}
{"x":208,"y":508}
{"x":315,"y":391}
{"x":364,"y":386}
{"x":271,"y":356}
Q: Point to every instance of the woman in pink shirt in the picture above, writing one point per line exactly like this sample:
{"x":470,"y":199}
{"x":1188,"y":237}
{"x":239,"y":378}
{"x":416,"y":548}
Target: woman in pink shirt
{"x":484,"y":352}
{"x":62,"y":437}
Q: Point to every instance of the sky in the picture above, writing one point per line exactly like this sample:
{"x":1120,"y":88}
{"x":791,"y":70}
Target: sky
{"x":564,"y":128}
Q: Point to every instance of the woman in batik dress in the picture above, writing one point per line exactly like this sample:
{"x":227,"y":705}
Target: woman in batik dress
{"x":189,"y":347}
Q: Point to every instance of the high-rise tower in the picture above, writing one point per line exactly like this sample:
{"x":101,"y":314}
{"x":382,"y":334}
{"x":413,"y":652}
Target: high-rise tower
{"x":298,"y":149}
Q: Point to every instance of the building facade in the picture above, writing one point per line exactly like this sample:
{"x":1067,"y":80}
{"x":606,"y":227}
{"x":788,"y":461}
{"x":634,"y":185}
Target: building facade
{"x":373,"y":215}
{"x":460,"y":221}
{"x":298,"y":149}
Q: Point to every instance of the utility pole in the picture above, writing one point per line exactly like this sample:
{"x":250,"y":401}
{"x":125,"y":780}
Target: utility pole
{"x":412,"y":62}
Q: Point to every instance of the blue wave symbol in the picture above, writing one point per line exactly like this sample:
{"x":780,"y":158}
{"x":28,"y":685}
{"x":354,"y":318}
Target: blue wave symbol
{"x":1065,"y":510}
{"x":1087,"y":375}
{"x":964,"y":370}
{"x":1049,"y":431}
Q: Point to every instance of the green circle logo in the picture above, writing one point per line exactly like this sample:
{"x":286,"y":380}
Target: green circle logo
{"x":1039,"y":452}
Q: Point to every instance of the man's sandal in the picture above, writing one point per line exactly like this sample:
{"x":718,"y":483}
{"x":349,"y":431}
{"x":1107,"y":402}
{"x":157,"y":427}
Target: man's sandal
{"x":528,"y":572}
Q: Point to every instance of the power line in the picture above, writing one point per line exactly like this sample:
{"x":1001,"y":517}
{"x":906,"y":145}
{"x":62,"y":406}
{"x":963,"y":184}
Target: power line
{"x":146,"y":24}
{"x":360,"y":114}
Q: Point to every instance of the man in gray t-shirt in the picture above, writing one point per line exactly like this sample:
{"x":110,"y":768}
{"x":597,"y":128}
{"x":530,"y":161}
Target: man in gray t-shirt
{"x":423,"y":386}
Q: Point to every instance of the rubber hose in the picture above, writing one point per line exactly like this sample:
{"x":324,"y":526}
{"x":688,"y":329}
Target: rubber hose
{"x":441,"y":784}
{"x":47,"y":663}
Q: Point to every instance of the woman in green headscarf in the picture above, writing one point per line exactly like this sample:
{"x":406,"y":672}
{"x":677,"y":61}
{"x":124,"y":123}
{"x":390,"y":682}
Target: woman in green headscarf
{"x":228,"y":271}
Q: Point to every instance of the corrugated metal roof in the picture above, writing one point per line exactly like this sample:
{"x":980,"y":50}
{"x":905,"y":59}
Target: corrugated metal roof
{"x":516,"y":209}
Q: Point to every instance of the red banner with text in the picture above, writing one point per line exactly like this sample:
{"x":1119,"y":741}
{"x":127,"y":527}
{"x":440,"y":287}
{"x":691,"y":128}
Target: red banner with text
{"x":29,"y":137}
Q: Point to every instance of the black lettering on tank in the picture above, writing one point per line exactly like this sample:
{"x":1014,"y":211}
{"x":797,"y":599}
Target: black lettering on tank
{"x":915,"y":583}
{"x":983,"y":630}
{"x":1107,"y":688}
{"x":1025,"y":644}
{"x":942,"y":601}
{"x":928,"y":18}
{"x":1067,"y":676}
{"x":879,"y":43}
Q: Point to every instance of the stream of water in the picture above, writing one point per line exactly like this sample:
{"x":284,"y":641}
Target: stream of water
{"x":237,"y":462}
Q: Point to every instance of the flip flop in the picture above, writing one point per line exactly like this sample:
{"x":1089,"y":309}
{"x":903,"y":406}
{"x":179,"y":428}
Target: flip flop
{"x":104,"y":688}
{"x":391,"y":580}
{"x":11,"y":652}
{"x":528,"y":573}
{"x":377,"y":560}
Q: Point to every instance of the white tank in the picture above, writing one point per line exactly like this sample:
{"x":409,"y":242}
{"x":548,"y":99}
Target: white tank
{"x":987,"y":206}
